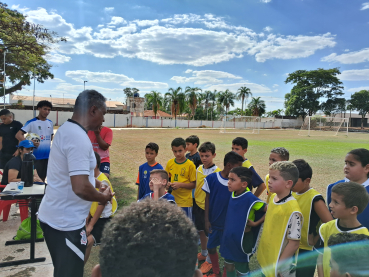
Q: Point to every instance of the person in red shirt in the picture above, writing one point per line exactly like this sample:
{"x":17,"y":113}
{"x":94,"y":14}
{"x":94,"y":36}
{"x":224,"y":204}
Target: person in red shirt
{"x":101,"y":140}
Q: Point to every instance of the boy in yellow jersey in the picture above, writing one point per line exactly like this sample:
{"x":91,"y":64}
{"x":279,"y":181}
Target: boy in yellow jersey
{"x":277,"y":154}
{"x":207,"y":154}
{"x":348,"y":200}
{"x":314,"y":211}
{"x":182,"y":174}
{"x":281,"y":235}
{"x":239,"y":145}
{"x":99,"y":215}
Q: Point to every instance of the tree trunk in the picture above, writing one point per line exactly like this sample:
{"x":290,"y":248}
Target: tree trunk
{"x":13,"y":88}
{"x":243,"y":99}
{"x":362,"y":122}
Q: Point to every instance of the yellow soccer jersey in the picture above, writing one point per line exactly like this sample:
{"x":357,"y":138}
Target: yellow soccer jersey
{"x":201,"y":173}
{"x":182,"y":173}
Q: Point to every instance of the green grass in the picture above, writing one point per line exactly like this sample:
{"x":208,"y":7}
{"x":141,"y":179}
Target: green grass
{"x":324,"y":154}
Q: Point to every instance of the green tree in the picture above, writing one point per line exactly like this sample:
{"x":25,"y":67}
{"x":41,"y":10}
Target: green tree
{"x":176,"y":98}
{"x":155,"y":100}
{"x":257,"y":106}
{"x":25,"y":45}
{"x":360,"y":102}
{"x":333,"y":106}
{"x":311,"y":90}
{"x":242,"y":94}
{"x":226,"y":98}
{"x":191,"y":94}
{"x":274,"y":113}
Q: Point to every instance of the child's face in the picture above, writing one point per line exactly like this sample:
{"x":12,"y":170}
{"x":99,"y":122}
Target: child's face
{"x":338,"y":207}
{"x":156,"y":181}
{"x":354,"y":171}
{"x":238,"y":149}
{"x":274,"y":157}
{"x":178,"y":152}
{"x":235,"y":183}
{"x":301,"y":185}
{"x":150,"y":154}
{"x":207,"y":158}
{"x":276,"y":182}
{"x":190,"y":146}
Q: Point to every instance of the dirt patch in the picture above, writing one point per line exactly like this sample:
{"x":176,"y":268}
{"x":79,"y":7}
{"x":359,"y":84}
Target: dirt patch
{"x":24,"y":273}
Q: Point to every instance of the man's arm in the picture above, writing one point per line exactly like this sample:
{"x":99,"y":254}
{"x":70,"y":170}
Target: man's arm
{"x":12,"y":175}
{"x":82,"y":188}
{"x":102,"y":143}
{"x":288,"y":252}
{"x":20,"y":135}
{"x":260,"y":189}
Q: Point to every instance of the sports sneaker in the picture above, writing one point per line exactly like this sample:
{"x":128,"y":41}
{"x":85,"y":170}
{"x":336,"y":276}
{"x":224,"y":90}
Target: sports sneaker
{"x":201,"y":257}
{"x":206,"y":267}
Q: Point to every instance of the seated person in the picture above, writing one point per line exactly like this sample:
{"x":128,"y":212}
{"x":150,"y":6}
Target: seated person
{"x":135,"y":242}
{"x":12,"y":169}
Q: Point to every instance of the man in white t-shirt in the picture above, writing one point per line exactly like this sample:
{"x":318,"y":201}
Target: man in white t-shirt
{"x":71,"y":186}
{"x":43,"y":127}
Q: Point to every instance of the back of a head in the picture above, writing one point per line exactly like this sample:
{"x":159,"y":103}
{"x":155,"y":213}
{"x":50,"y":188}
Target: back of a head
{"x":232,"y":158}
{"x":149,"y":238}
{"x":240,"y":141}
{"x":207,"y":146}
{"x":98,"y":159}
{"x":353,"y":194}
{"x":351,"y":253}
{"x":5,"y":112}
{"x":305,"y":170}
{"x":287,"y":170}
{"x":282,"y":152}
{"x":88,"y":98}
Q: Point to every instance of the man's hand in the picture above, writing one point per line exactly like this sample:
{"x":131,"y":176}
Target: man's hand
{"x":156,"y":184}
{"x":208,"y":227}
{"x":16,"y":153}
{"x":89,"y":229}
{"x":97,"y":131}
{"x":108,"y":195}
{"x":175,"y":186}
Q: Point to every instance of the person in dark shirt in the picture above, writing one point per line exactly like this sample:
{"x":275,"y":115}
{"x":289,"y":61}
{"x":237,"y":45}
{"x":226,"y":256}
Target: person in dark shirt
{"x":8,"y":142}
{"x":12,"y":170}
{"x":192,"y":143}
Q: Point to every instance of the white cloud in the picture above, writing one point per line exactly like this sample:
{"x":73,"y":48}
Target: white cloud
{"x":144,"y":23}
{"x":55,"y":80}
{"x":188,"y":71}
{"x":107,"y":33}
{"x":349,"y":58}
{"x":117,"y":20}
{"x":353,"y":90}
{"x":265,"y":74}
{"x":354,"y":75}
{"x":255,"y":88}
{"x":109,"y":9}
{"x":57,"y":58}
{"x":268,"y":29}
{"x":275,"y":85}
{"x":205,"y":77}
{"x":364,"y":6}
{"x":347,"y":50}
{"x":265,"y":1}
{"x":109,"y":77}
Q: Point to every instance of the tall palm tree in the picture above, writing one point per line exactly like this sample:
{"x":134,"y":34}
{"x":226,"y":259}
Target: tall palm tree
{"x":213,"y":99}
{"x":257,"y":106}
{"x":191,"y":94}
{"x":207,"y":97}
{"x":155,"y":99}
{"x":176,"y":97}
{"x":226,"y":98}
{"x":242,"y":94}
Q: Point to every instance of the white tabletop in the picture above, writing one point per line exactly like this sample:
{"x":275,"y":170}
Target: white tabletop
{"x":34,"y":190}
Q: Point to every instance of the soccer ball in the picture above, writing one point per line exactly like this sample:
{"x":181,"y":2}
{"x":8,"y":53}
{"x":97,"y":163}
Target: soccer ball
{"x":34,"y":137}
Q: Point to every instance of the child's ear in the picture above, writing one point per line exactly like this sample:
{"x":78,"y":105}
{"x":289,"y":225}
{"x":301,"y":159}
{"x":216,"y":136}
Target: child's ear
{"x":289,"y":184}
{"x":245,"y":184}
{"x":354,"y":210}
{"x":366,"y":168}
{"x":307,"y":181}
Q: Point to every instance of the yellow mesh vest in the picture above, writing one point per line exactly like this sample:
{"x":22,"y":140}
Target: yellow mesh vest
{"x":274,"y":232}
{"x":114,"y":204}
{"x":305,"y":202}
{"x":325,"y":231}
{"x":199,"y":193}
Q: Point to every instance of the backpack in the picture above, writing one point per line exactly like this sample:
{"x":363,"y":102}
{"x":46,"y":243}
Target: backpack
{"x":24,"y":230}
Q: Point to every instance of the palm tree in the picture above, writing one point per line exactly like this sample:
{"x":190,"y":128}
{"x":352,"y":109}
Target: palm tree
{"x":155,"y":99}
{"x":257,"y":106}
{"x":242,"y":94}
{"x":226,"y":99}
{"x":192,"y":98}
{"x":207,"y":97}
{"x":213,"y":98}
{"x":176,"y":97}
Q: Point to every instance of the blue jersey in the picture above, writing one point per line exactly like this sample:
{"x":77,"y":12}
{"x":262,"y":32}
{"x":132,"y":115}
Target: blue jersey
{"x":143,"y":178}
{"x":363,"y":217}
{"x":217,"y":188}
{"x":238,"y":212}
{"x":168,"y":197}
{"x":43,"y":128}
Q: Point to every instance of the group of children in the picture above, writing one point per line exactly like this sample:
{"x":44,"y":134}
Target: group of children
{"x":227,"y":213}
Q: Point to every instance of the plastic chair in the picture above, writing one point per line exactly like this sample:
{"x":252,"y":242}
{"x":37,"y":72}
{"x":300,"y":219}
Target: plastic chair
{"x":6,"y":204}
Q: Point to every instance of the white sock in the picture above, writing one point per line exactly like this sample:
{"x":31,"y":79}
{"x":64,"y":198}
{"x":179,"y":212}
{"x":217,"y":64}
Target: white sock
{"x":208,"y":259}
{"x":204,"y":252}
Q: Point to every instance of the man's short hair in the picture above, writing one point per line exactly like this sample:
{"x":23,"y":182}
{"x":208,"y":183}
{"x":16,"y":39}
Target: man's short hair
{"x":352,"y":194}
{"x":240,"y":141}
{"x":282,"y":152}
{"x":287,"y":170}
{"x":232,"y":158}
{"x":178,"y":142}
{"x":244,"y":173}
{"x":149,"y":238}
{"x":88,"y":98}
{"x":98,"y":159}
{"x":44,"y":103}
{"x":207,"y":146}
{"x":5,"y":112}
{"x":153,"y":146}
{"x":305,"y":170}
{"x":163,"y":174}
{"x":350,"y":252}
{"x":193,"y":139}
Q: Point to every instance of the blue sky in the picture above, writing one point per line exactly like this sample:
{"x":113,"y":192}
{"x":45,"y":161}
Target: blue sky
{"x":157,"y":45}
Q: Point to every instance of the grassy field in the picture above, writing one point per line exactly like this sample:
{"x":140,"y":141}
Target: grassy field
{"x":325,"y":154}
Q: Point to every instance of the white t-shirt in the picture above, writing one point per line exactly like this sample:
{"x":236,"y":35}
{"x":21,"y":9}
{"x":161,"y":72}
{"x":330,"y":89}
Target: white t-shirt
{"x":71,"y":155}
{"x":44,"y":128}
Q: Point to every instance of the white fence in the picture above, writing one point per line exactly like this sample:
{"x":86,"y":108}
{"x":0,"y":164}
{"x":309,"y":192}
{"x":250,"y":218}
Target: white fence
{"x":124,"y":120}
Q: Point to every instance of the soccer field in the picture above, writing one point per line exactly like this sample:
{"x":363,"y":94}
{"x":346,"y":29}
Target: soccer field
{"x":325,"y":154}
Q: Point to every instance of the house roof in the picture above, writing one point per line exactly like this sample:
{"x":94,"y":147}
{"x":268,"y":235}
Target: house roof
{"x":148,"y":113}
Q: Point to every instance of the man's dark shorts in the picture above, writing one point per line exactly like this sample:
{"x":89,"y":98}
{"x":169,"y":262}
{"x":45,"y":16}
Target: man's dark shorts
{"x":99,"y":228}
{"x":105,"y":168}
{"x":198,"y":216}
{"x":41,"y":167}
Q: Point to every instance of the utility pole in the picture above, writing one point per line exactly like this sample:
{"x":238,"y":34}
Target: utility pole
{"x":84,"y":85}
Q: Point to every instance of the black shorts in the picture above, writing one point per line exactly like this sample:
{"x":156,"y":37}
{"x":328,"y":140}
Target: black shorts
{"x":105,"y":168}
{"x":99,"y":228}
{"x":67,"y":250}
{"x":41,"y":167}
{"x":4,"y":158}
{"x":198,"y":216}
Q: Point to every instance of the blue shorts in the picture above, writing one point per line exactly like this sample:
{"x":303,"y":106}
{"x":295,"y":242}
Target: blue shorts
{"x":188,"y":212}
{"x":105,"y":168}
{"x":214,"y":239}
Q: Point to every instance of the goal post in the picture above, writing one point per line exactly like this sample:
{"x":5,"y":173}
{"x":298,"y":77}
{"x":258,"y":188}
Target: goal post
{"x":240,"y":124}
{"x":324,"y":126}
